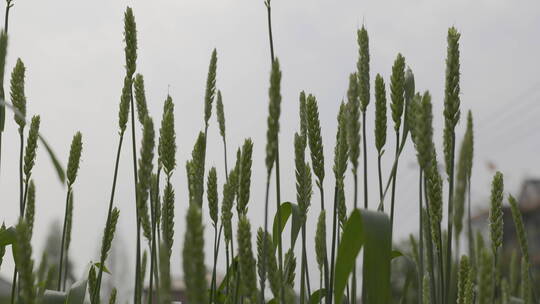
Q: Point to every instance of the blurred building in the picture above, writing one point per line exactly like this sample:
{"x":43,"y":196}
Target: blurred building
{"x":529,"y":205}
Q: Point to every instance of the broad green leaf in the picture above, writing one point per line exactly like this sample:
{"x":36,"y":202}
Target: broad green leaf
{"x":317,"y":296}
{"x":286,"y":210}
{"x":377,"y":237}
{"x":296,"y":224}
{"x":53,"y":297}
{"x":349,"y":247}
{"x":273,"y":301}
{"x":77,"y":292}
{"x":8,"y":236}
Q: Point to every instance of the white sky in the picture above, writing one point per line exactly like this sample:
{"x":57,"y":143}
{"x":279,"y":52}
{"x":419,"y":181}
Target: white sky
{"x":73,"y":51}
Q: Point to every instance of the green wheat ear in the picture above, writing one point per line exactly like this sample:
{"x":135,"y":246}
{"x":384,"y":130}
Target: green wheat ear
{"x":353,"y":122}
{"x":463,"y":174}
{"x":274,"y":111}
{"x":210,"y":88}
{"x":303,"y":177}
{"x":303,"y":117}
{"x":289,"y":268}
{"x":341,"y":150}
{"x":193,"y":257}
{"x":108,"y":234}
{"x":3,"y":53}
{"x":397,"y":90}
{"x":244,"y":177}
{"x":112,"y":297}
{"x":92,"y":280}
{"x":195,"y":170}
{"x":248,"y":285}
{"x":463,"y":279}
{"x":380,"y":113}
{"x":315,"y":139}
{"x":167,"y":223}
{"x":144,"y":174}
{"x":140,"y":98}
{"x":167,"y":138}
{"x":220,"y":114}
{"x":123,"y":111}
{"x":74,"y":158}
{"x":30,"y":207}
{"x":130,"y":37}
{"x":425,"y":290}
{"x":363,"y":68}
{"x":496,"y":212}
{"x":31,"y":146}
{"x":212,"y":195}
{"x":272,"y":271}
{"x":18,"y":97}
{"x":470,"y":146}
{"x":320,"y":239}
{"x":525,"y":282}
{"x":24,"y":263}
{"x":520,"y":228}
{"x":451,"y":94}
{"x":485,"y":278}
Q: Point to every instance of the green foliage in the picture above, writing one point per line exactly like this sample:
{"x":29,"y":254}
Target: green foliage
{"x":485,"y":277}
{"x":248,"y":285}
{"x":140,"y":98}
{"x":31,"y":146}
{"x":24,"y":263}
{"x":18,"y":97}
{"x":363,"y":68}
{"x":397,"y":90}
{"x":380,"y":113}
{"x":210,"y":88}
{"x":130,"y":37}
{"x":193,"y":257}
{"x":315,"y":139}
{"x":244,"y":178}
{"x":74,"y":158}
{"x":212,"y":195}
{"x":496,"y":212}
{"x":274,"y":111}
{"x":520,"y":228}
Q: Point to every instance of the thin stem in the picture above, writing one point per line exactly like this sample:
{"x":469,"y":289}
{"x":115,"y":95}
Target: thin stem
{"x":353,"y":283}
{"x":334,"y":228}
{"x":394,"y":173}
{"x":380,"y":175}
{"x":66,"y":270}
{"x":213,"y":282}
{"x":225,"y":157}
{"x":63,"y":241}
{"x":137,"y":294}
{"x":308,"y":284}
{"x":109,"y":212}
{"x":421,"y":239}
{"x":469,"y":222}
{"x":228,"y":267}
{"x":365,"y":160}
{"x":152,"y":253}
{"x":450,"y":217}
{"x":21,"y":199}
{"x":156,"y":229}
{"x":14,"y":285}
{"x":326,"y":268}
{"x":303,"y":267}
{"x":278,"y":202}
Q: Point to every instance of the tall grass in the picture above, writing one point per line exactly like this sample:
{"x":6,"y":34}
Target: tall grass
{"x":441,"y":271}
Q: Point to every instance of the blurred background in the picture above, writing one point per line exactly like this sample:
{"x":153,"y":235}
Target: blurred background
{"x":73,"y":51}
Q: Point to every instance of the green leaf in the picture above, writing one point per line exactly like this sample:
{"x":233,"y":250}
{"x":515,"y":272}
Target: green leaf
{"x":77,"y":292}
{"x":349,"y":247}
{"x":396,"y":254}
{"x":104,"y":268}
{"x":296,"y":224}
{"x":53,"y":297}
{"x":273,"y":301}
{"x":54,"y":160}
{"x":8,"y":236}
{"x":377,"y":237}
{"x":317,"y":296}
{"x":286,"y":210}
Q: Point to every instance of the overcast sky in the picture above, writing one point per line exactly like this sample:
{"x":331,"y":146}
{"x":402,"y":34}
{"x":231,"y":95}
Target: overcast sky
{"x":73,"y":51}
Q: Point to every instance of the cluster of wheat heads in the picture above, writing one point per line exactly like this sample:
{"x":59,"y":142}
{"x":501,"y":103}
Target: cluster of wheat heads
{"x":441,"y":275}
